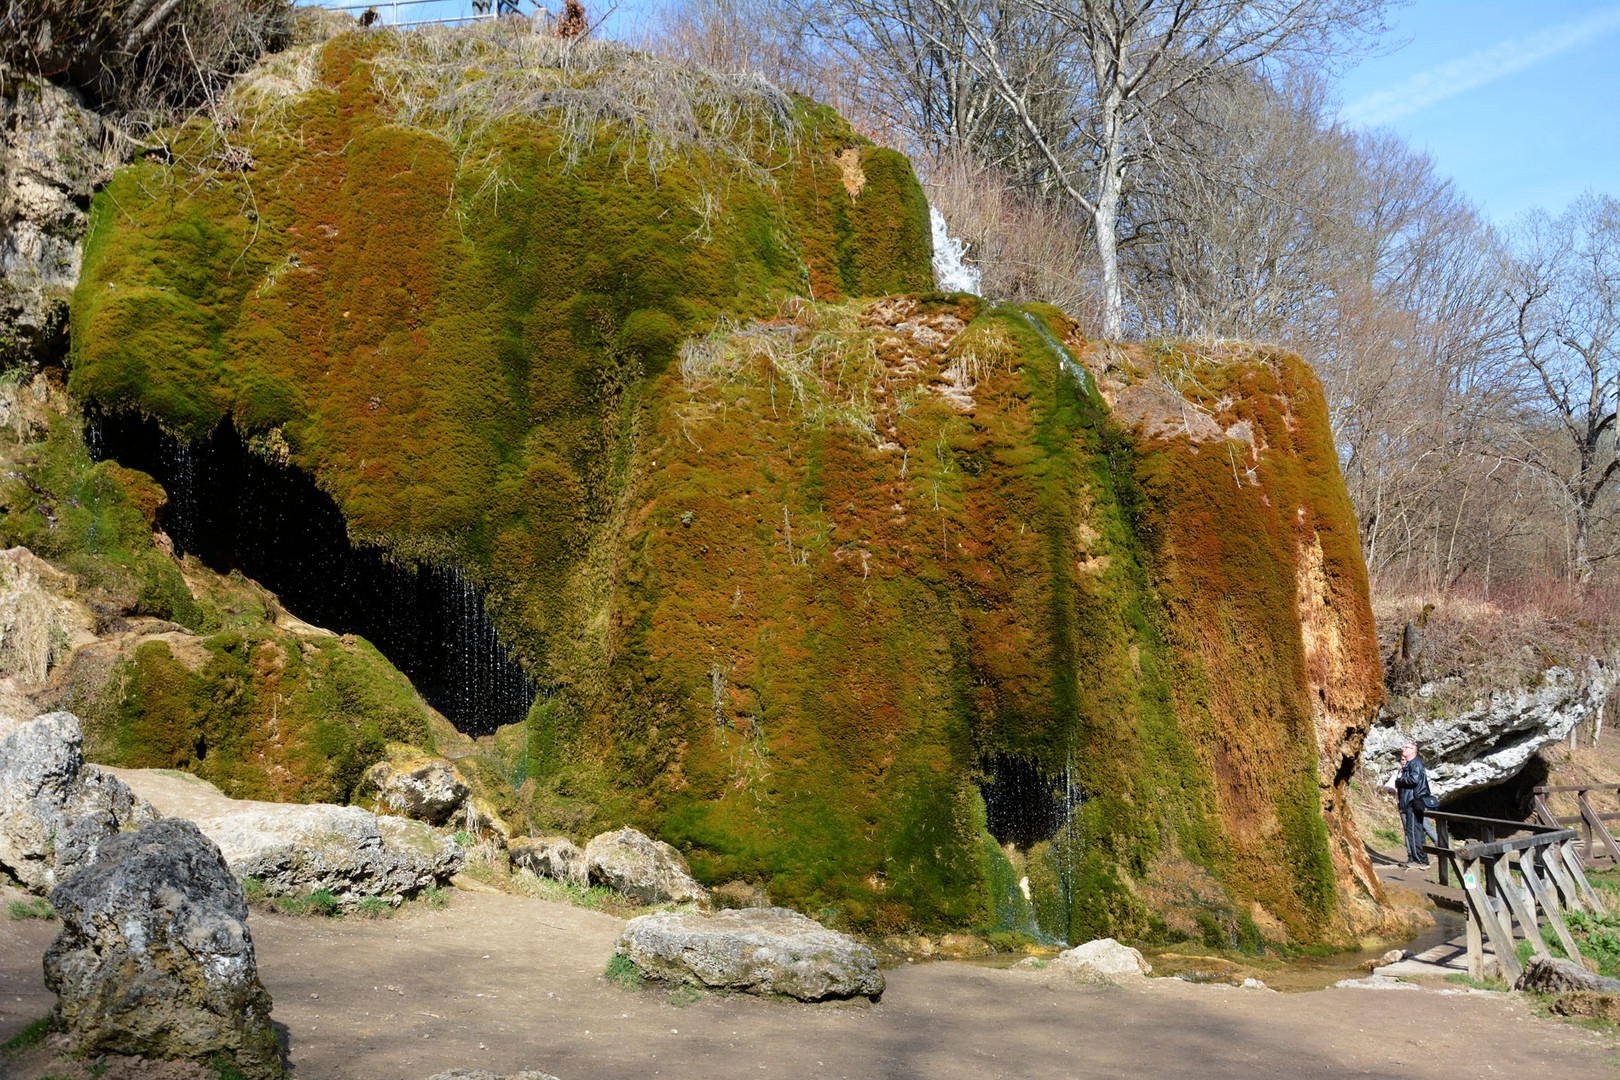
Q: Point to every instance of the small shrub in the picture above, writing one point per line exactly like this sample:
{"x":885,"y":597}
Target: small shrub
{"x":253,"y":891}
{"x":322,"y":902}
{"x":435,"y":898}
{"x":374,"y":907}
{"x":1210,"y":928}
{"x":35,"y":907}
{"x":622,"y":971}
{"x":30,"y":1036}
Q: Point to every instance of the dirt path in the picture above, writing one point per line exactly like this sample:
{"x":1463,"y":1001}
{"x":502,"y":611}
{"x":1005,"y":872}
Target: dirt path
{"x":506,"y":983}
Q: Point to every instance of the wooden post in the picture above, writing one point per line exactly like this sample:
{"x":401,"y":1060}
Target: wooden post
{"x":1476,"y":874}
{"x":1509,"y":889}
{"x":1476,"y":945}
{"x":1572,"y":866}
{"x":1442,"y":838}
{"x":1549,"y":901}
{"x":1552,"y":858}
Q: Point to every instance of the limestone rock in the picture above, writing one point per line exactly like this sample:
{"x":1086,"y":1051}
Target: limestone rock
{"x":54,"y":153}
{"x":1104,"y":957}
{"x":633,"y":863}
{"x":549,"y":856}
{"x":54,"y":809}
{"x":480,"y":818}
{"x":428,"y":789}
{"x":756,"y":950}
{"x":1549,"y":976}
{"x":155,"y":957}
{"x":1489,"y":743}
{"x":296,"y":849}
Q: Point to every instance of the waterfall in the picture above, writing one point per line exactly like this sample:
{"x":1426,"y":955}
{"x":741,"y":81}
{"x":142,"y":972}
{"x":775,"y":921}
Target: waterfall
{"x":233,"y":510}
{"x":950,"y":271}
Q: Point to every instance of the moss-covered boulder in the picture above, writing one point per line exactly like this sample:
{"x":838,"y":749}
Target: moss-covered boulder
{"x":913,"y":610}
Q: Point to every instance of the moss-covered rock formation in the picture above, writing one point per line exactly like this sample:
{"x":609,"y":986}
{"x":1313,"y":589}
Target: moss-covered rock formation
{"x":802,"y":571}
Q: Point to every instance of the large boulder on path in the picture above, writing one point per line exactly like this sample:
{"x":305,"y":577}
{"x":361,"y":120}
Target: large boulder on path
{"x":755,"y":950}
{"x":549,"y":856}
{"x":633,"y":863}
{"x":55,"y":810}
{"x":155,"y":957}
{"x":296,"y":849}
{"x":1549,"y":976}
{"x":1103,"y":958}
{"x":428,"y":789}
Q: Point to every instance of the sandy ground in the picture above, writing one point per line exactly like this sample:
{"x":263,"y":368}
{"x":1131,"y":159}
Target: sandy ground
{"x":506,"y":983}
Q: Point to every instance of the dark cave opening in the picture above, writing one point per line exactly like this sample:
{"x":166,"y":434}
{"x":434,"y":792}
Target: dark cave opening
{"x":1511,"y":800}
{"x":233,"y":510}
{"x":1022,"y":804}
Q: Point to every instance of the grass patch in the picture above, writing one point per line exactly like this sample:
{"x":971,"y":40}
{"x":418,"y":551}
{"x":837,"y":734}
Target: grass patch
{"x":434,"y":898}
{"x":30,"y":1036}
{"x":589,"y":897}
{"x":35,"y":907}
{"x":683,"y":995}
{"x":374,"y":907}
{"x":1472,"y":983}
{"x":623,"y":973}
{"x":1387,"y":837}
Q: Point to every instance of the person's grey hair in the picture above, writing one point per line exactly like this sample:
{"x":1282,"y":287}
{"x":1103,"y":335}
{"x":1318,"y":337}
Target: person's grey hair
{"x":1412,"y":746}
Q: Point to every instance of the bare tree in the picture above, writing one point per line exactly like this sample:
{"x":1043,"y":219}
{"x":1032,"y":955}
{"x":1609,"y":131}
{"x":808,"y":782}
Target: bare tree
{"x":1124,"y":65}
{"x":1566,"y":294}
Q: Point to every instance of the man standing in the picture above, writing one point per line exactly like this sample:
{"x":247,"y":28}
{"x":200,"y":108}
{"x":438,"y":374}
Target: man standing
{"x":1412,"y":794}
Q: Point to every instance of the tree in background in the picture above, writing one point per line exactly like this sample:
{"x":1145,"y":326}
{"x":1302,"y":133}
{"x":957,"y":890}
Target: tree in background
{"x":1565,"y":288}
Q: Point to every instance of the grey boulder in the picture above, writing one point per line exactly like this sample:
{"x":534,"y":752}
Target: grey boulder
{"x":55,"y":810}
{"x":633,"y":863}
{"x":549,"y":856}
{"x":296,"y":849}
{"x":1103,"y":958}
{"x":755,"y":950}
{"x":155,"y":957}
{"x":428,"y":789}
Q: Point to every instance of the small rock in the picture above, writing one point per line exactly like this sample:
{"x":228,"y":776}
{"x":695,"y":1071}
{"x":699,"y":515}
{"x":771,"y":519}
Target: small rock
{"x":756,"y":950}
{"x":1394,"y":956}
{"x":427,"y":789}
{"x":55,"y":810}
{"x":1104,"y":957}
{"x":1550,"y":976}
{"x":633,"y":863}
{"x":549,"y":856}
{"x":155,"y":957}
{"x":1252,"y":983}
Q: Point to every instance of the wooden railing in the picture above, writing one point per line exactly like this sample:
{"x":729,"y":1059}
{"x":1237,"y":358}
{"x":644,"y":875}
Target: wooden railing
{"x":1599,"y":842}
{"x":1510,"y":885}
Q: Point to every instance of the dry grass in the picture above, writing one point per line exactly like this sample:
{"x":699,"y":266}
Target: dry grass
{"x":32,"y":637}
{"x":820,"y":359}
{"x":463,"y":82}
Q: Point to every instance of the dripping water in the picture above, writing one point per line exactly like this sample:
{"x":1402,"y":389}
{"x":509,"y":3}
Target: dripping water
{"x":1025,"y":806}
{"x":233,"y":510}
{"x":952,"y":271}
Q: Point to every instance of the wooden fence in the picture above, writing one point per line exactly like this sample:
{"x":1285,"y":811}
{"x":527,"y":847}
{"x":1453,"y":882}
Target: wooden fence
{"x":1599,"y":843}
{"x":1512,"y":884}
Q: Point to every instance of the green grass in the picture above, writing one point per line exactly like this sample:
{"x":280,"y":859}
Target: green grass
{"x":623,"y":973}
{"x":35,"y":907}
{"x":1477,"y":984}
{"x":1387,"y":837}
{"x":434,"y":898}
{"x":30,"y":1036}
{"x":374,"y":907}
{"x":683,"y":995}
{"x":225,"y":1068}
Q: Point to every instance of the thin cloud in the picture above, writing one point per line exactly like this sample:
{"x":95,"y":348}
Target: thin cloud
{"x":1464,"y":74}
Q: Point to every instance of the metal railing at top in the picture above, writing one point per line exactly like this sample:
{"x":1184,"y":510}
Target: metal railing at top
{"x":408,"y":13}
{"x":1511,"y":885}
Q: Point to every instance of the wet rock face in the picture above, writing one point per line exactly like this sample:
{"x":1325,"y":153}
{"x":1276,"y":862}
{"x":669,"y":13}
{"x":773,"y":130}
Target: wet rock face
{"x":640,"y":867}
{"x":1491,"y":742}
{"x":53,"y":155}
{"x":427,"y":789}
{"x":56,"y":811}
{"x":155,"y":957}
{"x":351,"y":853}
{"x":756,"y":950}
{"x":549,"y":856}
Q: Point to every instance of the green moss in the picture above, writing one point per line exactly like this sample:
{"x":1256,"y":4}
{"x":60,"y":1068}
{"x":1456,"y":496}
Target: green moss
{"x":787,"y":607}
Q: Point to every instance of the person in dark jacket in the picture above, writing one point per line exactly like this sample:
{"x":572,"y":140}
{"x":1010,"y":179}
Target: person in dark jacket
{"x":1412,"y":793}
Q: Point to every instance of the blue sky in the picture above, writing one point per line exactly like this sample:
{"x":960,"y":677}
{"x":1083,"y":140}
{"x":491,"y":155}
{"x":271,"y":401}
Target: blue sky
{"x":1517,"y":100}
